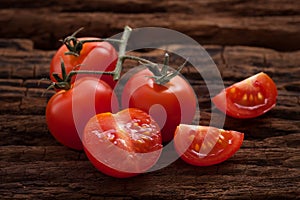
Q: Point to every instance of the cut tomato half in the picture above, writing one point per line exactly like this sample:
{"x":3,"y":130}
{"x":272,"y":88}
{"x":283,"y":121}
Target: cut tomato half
{"x":123,"y":144}
{"x":204,"y":145}
{"x":249,"y":98}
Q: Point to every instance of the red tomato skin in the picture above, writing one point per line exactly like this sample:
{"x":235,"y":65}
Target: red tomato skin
{"x":66,"y":121}
{"x":105,"y":169}
{"x":107,"y":143}
{"x":169,"y":104}
{"x":217,"y":154}
{"x":261,"y":83}
{"x":96,"y":56}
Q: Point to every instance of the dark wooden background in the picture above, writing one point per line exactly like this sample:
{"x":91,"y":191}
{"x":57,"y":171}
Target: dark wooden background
{"x":243,"y":38}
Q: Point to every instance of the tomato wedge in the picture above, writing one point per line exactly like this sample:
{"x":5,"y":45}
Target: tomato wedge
{"x":124,"y":144}
{"x":249,"y":98}
{"x":204,"y":145}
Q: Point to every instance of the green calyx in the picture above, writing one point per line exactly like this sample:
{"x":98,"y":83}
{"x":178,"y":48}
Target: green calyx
{"x":75,"y":46}
{"x":161,"y":73}
{"x":63,"y":82}
{"x":163,"y":76}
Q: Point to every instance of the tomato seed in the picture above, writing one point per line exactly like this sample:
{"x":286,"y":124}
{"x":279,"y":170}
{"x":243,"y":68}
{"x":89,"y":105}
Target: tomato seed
{"x":260,"y":96}
{"x":197,"y":147}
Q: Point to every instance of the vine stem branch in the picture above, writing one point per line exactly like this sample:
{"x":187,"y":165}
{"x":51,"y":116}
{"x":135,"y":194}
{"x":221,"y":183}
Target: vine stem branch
{"x":121,"y":57}
{"x":160,"y":76}
{"x":122,"y":52}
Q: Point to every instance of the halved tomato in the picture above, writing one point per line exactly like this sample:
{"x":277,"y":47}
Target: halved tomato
{"x":123,"y":144}
{"x":249,"y":98}
{"x":204,"y":145}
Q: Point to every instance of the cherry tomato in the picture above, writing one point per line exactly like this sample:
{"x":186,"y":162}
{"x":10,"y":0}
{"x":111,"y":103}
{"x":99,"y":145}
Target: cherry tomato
{"x":96,"y":56}
{"x":169,"y":104}
{"x":68,"y":111}
{"x":124,"y":144}
{"x":249,"y":98}
{"x":204,"y":146}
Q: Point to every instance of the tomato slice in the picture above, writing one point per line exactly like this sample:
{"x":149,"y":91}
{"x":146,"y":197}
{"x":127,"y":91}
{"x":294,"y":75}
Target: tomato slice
{"x":249,"y":98}
{"x":123,"y":144}
{"x":204,"y":145}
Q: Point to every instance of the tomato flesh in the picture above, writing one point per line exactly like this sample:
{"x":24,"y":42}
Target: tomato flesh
{"x":205,"y":146}
{"x":249,"y":98}
{"x":96,"y":56}
{"x":124,"y":144}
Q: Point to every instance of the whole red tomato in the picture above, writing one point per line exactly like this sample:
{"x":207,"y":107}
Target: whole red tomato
{"x":96,"y":56}
{"x":124,"y":144}
{"x":169,"y":104}
{"x":68,"y":111}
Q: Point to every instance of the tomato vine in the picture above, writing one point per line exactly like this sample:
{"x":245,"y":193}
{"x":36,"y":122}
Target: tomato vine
{"x":160,"y":76}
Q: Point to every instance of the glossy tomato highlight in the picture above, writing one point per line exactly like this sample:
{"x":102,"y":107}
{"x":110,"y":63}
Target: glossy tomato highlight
{"x":204,"y":145}
{"x":249,"y":98}
{"x":124,"y":144}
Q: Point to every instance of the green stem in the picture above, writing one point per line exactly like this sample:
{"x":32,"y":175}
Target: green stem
{"x":75,"y":46}
{"x":101,"y":40}
{"x":122,"y":52}
{"x":153,"y":67}
{"x":142,"y":60}
{"x":74,"y":72}
{"x":164,"y":69}
{"x":117,"y":72}
{"x":161,"y":76}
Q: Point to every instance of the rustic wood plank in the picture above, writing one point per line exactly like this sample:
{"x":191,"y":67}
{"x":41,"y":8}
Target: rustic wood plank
{"x":25,"y":130}
{"x":263,"y":164}
{"x":16,"y":44}
{"x":33,"y":165}
{"x":234,"y":7}
{"x":226,"y":22}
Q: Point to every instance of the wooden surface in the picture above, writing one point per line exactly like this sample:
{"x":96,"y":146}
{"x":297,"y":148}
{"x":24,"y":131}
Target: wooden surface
{"x":34,"y":166}
{"x":272,"y":23}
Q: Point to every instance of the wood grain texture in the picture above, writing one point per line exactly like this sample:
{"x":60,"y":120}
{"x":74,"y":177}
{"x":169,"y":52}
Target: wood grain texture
{"x":34,"y":166}
{"x":272,"y":24}
{"x":242,"y":37}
